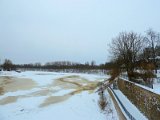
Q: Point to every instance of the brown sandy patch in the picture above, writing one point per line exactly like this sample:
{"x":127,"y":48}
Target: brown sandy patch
{"x":12,"y":84}
{"x":54,"y":100}
{"x":90,"y":88}
{"x":64,"y":85}
{"x":70,"y":83}
{"x":9,"y":99}
{"x":1,"y":91}
{"x":76,"y":78}
{"x":44,"y":92}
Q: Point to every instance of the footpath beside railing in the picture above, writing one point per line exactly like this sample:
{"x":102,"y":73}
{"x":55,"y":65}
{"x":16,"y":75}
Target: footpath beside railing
{"x":123,"y":107}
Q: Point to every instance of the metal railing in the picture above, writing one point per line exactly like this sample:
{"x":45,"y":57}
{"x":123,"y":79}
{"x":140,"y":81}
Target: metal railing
{"x":123,"y":107}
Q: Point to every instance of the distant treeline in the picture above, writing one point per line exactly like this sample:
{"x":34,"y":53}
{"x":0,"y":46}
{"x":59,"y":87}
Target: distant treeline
{"x":58,"y":65}
{"x":64,"y":65}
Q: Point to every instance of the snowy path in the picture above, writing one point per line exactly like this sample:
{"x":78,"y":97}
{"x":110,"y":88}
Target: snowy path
{"x":50,"y":96}
{"x":118,"y":109}
{"x":132,"y":109}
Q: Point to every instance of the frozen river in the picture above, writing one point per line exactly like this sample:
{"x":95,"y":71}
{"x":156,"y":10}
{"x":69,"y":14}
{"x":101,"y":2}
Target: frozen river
{"x":52,"y":96}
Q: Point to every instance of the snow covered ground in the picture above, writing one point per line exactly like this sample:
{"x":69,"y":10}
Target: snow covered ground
{"x":51,"y":96}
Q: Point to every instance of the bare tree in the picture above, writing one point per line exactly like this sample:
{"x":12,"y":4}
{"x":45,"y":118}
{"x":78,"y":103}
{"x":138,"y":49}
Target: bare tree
{"x":126,"y":47}
{"x":153,"y":40}
{"x":93,"y":63}
{"x":7,"y":65}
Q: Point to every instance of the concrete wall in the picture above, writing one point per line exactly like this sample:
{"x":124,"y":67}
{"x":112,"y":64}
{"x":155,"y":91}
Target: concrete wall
{"x":147,"y":102}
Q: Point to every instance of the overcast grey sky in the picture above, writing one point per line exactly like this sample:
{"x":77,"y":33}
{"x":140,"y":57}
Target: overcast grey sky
{"x":75,"y":30}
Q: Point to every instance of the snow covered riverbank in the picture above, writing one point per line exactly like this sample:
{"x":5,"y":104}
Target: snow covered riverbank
{"x":61,"y":96}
